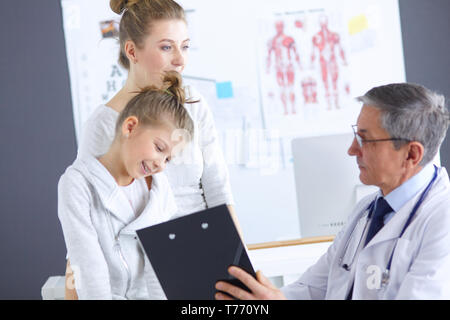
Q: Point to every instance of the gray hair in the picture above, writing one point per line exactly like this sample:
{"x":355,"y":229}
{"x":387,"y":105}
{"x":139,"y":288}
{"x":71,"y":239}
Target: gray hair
{"x":413,"y":113}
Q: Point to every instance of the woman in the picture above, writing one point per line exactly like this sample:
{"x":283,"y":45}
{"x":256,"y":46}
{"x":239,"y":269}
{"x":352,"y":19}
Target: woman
{"x":103,"y":201}
{"x":154,"y":39}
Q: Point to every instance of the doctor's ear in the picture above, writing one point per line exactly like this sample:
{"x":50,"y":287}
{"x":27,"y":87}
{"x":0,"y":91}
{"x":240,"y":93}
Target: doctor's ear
{"x":129,"y":126}
{"x":415,"y":153}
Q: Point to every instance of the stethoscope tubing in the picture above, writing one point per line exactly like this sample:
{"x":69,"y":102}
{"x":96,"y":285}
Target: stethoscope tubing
{"x":412,"y":214}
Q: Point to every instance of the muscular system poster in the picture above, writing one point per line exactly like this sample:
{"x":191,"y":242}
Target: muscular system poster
{"x":313,"y":62}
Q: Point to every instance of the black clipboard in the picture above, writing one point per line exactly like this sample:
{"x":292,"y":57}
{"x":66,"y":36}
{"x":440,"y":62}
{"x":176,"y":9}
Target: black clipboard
{"x":190,"y":254}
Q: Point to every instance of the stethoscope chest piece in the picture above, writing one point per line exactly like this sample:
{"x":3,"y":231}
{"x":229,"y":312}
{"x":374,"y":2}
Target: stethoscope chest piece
{"x":385,"y":278}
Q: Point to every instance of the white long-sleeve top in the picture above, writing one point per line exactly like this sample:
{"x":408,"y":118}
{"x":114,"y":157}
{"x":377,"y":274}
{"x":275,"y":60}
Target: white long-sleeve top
{"x":99,"y":227}
{"x":199,"y":179}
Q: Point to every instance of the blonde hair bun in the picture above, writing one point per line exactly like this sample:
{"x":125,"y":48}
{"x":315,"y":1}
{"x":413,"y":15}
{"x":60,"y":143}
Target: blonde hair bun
{"x":155,"y":105}
{"x":172,"y":83}
{"x":119,"y":6}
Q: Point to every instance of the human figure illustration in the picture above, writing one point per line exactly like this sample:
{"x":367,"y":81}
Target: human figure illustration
{"x":284,"y":49}
{"x":309,"y":88}
{"x":326,"y":42}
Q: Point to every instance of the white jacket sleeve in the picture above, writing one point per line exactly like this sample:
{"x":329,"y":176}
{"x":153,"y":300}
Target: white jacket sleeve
{"x":215,"y":177}
{"x":428,"y":277}
{"x":86,"y":256}
{"x":312,"y":285}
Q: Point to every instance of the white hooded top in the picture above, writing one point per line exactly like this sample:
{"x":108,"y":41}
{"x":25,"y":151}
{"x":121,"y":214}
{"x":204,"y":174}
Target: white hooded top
{"x":99,"y":227}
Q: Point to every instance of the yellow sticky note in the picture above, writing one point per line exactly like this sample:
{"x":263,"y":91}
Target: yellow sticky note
{"x":358,"y":24}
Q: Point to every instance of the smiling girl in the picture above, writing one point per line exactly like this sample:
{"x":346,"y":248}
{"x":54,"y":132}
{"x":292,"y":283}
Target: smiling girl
{"x":103,"y":200}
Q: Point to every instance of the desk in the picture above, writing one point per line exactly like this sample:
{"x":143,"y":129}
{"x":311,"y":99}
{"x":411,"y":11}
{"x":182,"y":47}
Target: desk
{"x":284,"y":261}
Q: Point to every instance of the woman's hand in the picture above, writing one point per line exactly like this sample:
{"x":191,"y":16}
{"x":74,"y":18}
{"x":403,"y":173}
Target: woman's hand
{"x":261,"y":288}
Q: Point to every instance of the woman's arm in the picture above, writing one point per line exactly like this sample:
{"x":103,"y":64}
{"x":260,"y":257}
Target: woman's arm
{"x":236,"y":222}
{"x":215,"y":176}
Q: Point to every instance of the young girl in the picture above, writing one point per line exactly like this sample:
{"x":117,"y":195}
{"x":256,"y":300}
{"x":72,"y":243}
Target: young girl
{"x":103,"y":201}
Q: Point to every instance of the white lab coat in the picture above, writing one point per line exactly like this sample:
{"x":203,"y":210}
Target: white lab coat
{"x":93,"y":211}
{"x":421,"y":263}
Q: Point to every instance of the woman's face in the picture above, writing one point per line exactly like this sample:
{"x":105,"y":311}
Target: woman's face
{"x":164,"y":49}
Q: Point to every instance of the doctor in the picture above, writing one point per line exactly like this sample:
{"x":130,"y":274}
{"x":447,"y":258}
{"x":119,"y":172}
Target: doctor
{"x":396,"y":242}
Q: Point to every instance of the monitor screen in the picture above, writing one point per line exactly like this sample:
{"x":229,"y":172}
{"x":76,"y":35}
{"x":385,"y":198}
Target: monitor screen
{"x":327,"y":183}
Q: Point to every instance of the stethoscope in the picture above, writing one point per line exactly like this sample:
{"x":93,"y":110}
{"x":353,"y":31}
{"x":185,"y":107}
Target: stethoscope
{"x":370,"y":208}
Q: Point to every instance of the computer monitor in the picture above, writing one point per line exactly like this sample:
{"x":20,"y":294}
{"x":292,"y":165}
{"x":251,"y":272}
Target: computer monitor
{"x":327,"y":183}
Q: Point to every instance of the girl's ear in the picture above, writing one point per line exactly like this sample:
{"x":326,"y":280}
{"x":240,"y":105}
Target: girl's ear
{"x":129,"y":126}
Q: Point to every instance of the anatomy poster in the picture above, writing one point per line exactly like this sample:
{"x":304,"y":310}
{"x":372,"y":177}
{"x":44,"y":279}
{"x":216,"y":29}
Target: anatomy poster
{"x":305,"y":81}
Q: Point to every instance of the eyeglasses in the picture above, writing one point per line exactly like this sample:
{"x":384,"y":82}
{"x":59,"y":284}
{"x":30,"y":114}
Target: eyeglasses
{"x":361,"y":141}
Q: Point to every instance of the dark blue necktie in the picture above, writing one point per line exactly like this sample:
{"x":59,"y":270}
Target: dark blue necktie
{"x":377,"y":221}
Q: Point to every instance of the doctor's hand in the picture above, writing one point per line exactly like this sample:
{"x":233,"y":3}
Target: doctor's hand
{"x":261,"y":288}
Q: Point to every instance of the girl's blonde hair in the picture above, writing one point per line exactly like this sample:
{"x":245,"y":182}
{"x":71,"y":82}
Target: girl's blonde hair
{"x":137,"y":19}
{"x":154,"y":106}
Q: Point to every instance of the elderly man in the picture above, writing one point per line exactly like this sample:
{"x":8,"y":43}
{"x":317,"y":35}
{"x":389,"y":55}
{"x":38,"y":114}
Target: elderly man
{"x":396,"y":243}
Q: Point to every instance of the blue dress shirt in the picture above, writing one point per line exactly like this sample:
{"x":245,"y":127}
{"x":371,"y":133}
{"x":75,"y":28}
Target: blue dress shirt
{"x":398,"y":197}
